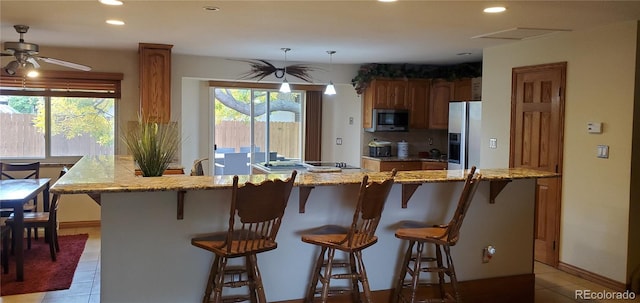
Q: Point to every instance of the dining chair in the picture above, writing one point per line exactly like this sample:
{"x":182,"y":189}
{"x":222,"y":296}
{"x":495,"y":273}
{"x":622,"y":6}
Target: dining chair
{"x":352,"y":240}
{"x":255,"y":216}
{"x":5,"y":232}
{"x":47,"y":220}
{"x":21,"y":171}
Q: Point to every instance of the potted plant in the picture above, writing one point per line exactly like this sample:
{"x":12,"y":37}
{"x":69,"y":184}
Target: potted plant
{"x":152,"y":144}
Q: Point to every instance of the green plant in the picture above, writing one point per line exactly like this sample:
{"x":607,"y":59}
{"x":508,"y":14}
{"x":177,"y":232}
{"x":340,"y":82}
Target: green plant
{"x":368,"y":72}
{"x":153,"y":145}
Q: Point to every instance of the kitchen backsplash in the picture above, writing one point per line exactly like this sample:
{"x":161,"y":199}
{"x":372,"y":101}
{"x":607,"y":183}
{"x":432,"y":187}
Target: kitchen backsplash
{"x":419,"y":140}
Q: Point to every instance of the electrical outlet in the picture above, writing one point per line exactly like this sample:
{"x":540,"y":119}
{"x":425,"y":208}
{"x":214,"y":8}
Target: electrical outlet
{"x":487,"y":253}
{"x":350,"y":120}
{"x":493,"y":143}
{"x":338,"y":141}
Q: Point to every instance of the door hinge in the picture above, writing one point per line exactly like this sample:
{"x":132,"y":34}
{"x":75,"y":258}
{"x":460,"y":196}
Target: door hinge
{"x":554,"y":245}
{"x":556,"y":168}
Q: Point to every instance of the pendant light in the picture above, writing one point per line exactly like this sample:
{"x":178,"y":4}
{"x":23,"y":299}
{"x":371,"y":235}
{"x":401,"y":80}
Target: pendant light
{"x":330,"y":90}
{"x":284,"y":88}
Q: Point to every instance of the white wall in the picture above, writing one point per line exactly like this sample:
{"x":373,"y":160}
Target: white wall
{"x":600,"y":87}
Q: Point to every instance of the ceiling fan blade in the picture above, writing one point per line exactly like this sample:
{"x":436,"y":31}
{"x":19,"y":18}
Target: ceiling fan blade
{"x":34,"y":62}
{"x":65,"y":63}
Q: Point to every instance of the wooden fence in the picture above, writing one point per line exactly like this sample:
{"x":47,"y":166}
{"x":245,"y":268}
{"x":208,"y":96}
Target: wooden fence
{"x":20,"y":138}
{"x":284,"y":136}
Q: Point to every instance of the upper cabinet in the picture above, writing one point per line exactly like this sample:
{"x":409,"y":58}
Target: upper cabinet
{"x":418,"y":96}
{"x":155,"y":81}
{"x":427,"y":100}
{"x":441,"y":93}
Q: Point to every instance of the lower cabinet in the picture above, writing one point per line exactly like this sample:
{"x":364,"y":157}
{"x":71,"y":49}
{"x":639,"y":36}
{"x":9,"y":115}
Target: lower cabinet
{"x":378,"y":165}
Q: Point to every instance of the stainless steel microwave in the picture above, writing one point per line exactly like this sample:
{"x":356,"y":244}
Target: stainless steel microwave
{"x":389,"y":120}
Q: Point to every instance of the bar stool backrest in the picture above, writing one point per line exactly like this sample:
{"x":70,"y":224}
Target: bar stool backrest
{"x":259,"y":208}
{"x":32,"y":170}
{"x":371,"y":200}
{"x":468,"y":191}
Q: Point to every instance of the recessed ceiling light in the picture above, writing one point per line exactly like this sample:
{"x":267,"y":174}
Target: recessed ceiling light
{"x":211,"y":8}
{"x":464,"y":54}
{"x":111,"y":2}
{"x":115,"y":22}
{"x":495,"y":9}
{"x":387,"y":0}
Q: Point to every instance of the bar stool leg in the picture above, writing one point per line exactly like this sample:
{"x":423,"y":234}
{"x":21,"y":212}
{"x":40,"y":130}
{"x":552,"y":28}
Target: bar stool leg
{"x":397,"y":291}
{"x":355,"y":289}
{"x":251,"y":277}
{"x":441,"y":272}
{"x":452,"y":274}
{"x":363,"y":277}
{"x":326,"y":279}
{"x":214,"y":275}
{"x":311,"y":290}
{"x":415,"y":272}
{"x":256,"y":279}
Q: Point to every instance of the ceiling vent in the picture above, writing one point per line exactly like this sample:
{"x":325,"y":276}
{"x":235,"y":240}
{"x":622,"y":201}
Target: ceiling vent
{"x":520,"y":33}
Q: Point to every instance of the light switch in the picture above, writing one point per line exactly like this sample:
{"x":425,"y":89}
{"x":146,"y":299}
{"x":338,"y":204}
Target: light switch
{"x":493,"y":143}
{"x":594,"y":127}
{"x":338,"y":141}
{"x":603,"y":151}
{"x":350,"y":120}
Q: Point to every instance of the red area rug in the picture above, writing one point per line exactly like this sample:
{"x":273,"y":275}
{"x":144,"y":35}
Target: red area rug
{"x":40,"y":273}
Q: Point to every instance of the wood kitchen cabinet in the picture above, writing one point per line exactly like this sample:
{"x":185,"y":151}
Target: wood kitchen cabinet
{"x":155,"y":81}
{"x":387,"y":94}
{"x":418,"y":96}
{"x":441,"y":93}
{"x":431,"y":165}
{"x":462,"y":90}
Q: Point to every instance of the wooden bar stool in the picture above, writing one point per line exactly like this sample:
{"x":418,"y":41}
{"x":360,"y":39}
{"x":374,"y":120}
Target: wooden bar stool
{"x":254,"y":221}
{"x":371,"y":199}
{"x":443,"y":237}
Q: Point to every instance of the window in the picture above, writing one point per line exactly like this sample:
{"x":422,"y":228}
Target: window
{"x":272,"y":126}
{"x":60,"y":114}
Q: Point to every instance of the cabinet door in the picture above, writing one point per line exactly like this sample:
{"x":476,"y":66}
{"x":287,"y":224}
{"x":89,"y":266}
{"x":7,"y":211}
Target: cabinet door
{"x":380,"y":95}
{"x":418,"y":100}
{"x":462,"y":90}
{"x":429,"y":165}
{"x":441,"y":93}
{"x":400,"y":165}
{"x":397,"y":94}
{"x":371,"y":165}
{"x":155,"y":81}
{"x":367,"y":107}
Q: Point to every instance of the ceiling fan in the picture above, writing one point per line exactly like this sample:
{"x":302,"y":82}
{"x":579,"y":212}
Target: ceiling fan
{"x":26,"y":55}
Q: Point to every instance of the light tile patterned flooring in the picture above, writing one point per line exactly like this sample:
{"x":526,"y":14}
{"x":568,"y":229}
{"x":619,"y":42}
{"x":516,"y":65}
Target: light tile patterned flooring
{"x":552,"y":286}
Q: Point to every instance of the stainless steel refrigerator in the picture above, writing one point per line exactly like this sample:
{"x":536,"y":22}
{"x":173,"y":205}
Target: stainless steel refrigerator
{"x":464,"y":134}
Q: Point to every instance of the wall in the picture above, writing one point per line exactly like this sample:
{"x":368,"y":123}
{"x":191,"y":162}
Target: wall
{"x":600,"y":87}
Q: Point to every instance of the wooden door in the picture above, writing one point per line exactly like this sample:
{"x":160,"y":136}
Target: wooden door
{"x":537,"y":115}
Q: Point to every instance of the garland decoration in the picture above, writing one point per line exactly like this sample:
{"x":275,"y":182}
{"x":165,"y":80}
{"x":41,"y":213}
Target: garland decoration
{"x":370,"y":71}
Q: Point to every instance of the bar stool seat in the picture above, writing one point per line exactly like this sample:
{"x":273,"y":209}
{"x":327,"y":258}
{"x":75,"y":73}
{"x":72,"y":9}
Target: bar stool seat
{"x":255,"y":217}
{"x":442,"y":237}
{"x":361,"y":234}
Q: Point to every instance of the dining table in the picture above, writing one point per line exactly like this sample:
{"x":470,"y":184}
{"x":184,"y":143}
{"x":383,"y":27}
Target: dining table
{"x":14,"y":193}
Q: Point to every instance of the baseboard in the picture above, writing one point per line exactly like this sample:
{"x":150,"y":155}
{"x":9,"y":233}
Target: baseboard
{"x":518,"y":288}
{"x":79,"y":224}
{"x":592,"y":277}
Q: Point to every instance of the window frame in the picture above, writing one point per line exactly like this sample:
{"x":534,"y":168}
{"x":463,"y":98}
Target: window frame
{"x":63,"y":84}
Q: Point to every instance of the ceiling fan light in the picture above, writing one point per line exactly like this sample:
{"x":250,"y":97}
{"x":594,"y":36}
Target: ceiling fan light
{"x":285,"y":88}
{"x":12,"y":67}
{"x":330,"y":89}
{"x":31,"y":70}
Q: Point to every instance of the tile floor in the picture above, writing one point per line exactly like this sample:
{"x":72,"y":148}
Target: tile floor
{"x":552,"y":286}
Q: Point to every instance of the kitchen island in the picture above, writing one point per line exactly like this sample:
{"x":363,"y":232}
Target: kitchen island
{"x":147,"y":224}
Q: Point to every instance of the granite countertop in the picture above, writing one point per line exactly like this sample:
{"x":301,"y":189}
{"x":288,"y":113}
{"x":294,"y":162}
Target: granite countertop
{"x":410,"y":158}
{"x":110,"y":174}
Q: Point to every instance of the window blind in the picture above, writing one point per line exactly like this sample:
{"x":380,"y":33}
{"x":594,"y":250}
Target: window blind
{"x":63,"y":84}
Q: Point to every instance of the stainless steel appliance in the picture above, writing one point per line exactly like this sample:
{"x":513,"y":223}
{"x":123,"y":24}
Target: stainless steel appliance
{"x":389,"y":120}
{"x":379,"y":149}
{"x":464,"y":134}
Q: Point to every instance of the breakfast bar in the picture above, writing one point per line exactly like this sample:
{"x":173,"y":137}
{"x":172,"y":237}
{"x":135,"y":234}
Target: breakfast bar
{"x":146,"y":255}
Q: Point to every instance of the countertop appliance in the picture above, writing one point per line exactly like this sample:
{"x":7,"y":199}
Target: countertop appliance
{"x":389,"y":120}
{"x":379,"y":148}
{"x":464,"y":134}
